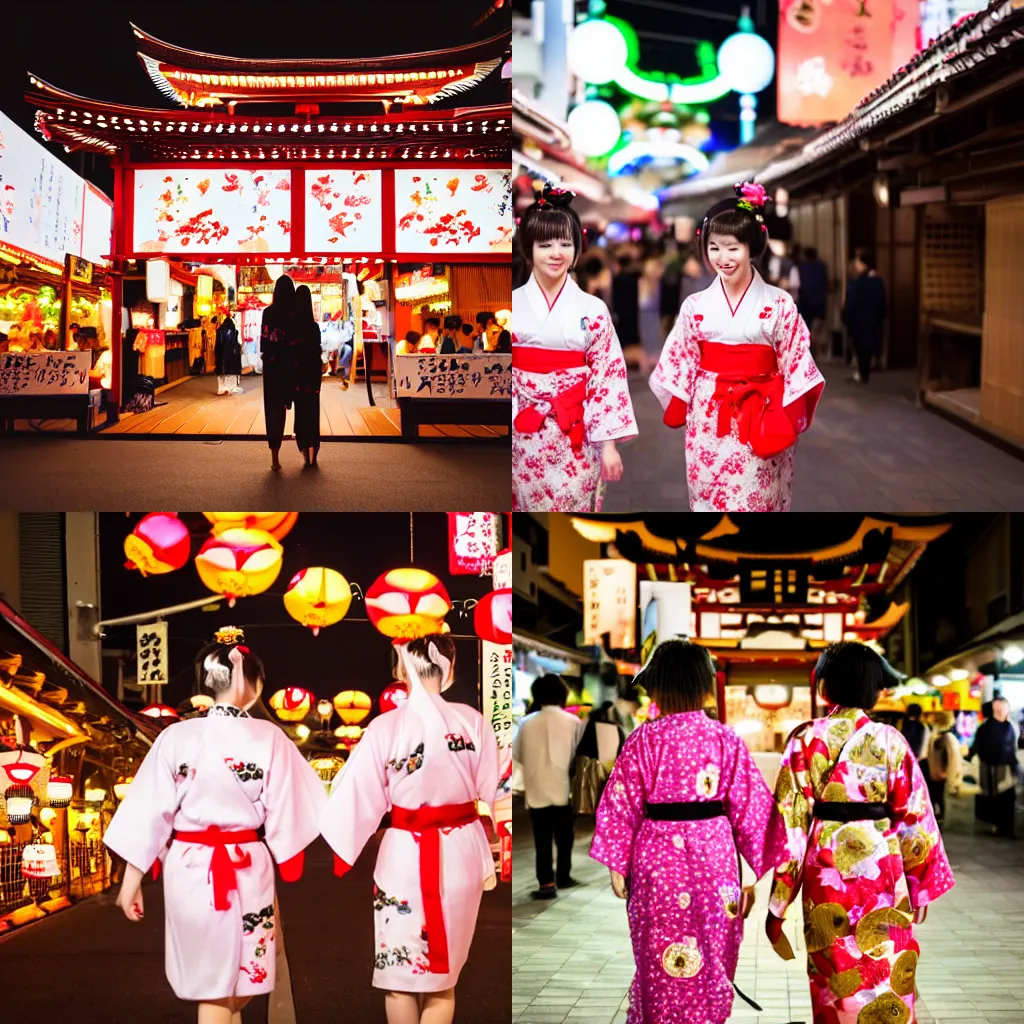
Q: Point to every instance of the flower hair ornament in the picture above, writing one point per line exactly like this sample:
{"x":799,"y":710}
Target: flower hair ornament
{"x":559,"y":198}
{"x":751,"y":198}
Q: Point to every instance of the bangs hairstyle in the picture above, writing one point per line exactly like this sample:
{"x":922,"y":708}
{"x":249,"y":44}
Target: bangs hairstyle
{"x":549,"y":224}
{"x":213,"y":668}
{"x":852,"y":675}
{"x":679,"y":677}
{"x":741,"y":225}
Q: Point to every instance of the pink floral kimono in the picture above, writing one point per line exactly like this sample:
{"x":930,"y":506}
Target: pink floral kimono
{"x":862,"y":842}
{"x":683,"y":797}
{"x":569,"y":396}
{"x":720,"y":372}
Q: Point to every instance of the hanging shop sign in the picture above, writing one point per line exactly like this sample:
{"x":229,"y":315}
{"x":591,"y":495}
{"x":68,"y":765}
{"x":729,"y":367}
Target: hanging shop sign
{"x":462,"y":210}
{"x":480,"y":375}
{"x":472,"y":542}
{"x":45,"y":373}
{"x":609,"y":601}
{"x":81,"y":270}
{"x":502,"y":570}
{"x":151,"y":654}
{"x":665,"y":612}
{"x":343,"y":210}
{"x":497,"y":690}
{"x":429,"y":282}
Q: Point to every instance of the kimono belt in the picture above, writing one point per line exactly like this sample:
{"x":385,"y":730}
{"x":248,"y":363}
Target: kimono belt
{"x":427,"y":822}
{"x":567,"y":407}
{"x":827,"y":810}
{"x":694,"y":810}
{"x":222,"y":867}
{"x":749,"y":389}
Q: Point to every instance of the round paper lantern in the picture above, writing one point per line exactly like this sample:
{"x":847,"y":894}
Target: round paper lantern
{"x":19,"y":804}
{"x":277,"y":524}
{"x":348,"y":735}
{"x":239,"y":563}
{"x":407,"y":603}
{"x":39,"y":860}
{"x":352,"y":706}
{"x":292,"y":704}
{"x":393,"y":696}
{"x":160,"y":543}
{"x":317,"y":598}
{"x":122,"y":785}
{"x":746,"y":62}
{"x":492,"y":617}
{"x":598,"y":51}
{"x":159,"y":711}
{"x":594,"y":127}
{"x":59,"y":790}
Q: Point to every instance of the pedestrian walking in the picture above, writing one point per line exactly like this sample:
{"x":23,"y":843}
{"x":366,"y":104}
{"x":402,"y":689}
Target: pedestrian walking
{"x":278,"y":342}
{"x":218,"y":800}
{"x":860,"y":841}
{"x":995,"y":744}
{"x":944,"y":762}
{"x":626,"y":707}
{"x":916,"y":733}
{"x":308,"y":377}
{"x":864,"y":312}
{"x":545,"y":746}
{"x":228,"y":355}
{"x":812,"y":300}
{"x":598,"y":748}
{"x":737,"y":371}
{"x":683,"y":801}
{"x":626,"y":299}
{"x":427,"y":762}
{"x":649,"y":307}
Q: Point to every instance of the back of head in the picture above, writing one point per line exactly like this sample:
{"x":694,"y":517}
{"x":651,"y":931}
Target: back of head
{"x":914,"y":711}
{"x":303,"y":304}
{"x":865,"y":256}
{"x":549,"y":689}
{"x":679,"y":676}
{"x":283,"y":302}
{"x":423,"y":658}
{"x":944,"y":720}
{"x":412,"y":337}
{"x":467,"y":330}
{"x":810,"y":253}
{"x":452,"y":323}
{"x":851,"y":674}
{"x":432,"y":323}
{"x":214,"y":668}
{"x":504,"y":342}
{"x":483,"y":319}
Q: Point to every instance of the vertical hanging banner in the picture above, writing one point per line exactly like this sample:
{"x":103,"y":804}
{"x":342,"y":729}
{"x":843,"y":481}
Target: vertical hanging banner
{"x":472,"y":542}
{"x":497,"y":709}
{"x":151,"y":654}
{"x":609,"y":602}
{"x":502,"y":570}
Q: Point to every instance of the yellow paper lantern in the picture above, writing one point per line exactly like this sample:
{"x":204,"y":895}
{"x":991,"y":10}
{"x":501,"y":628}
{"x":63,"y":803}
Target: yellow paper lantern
{"x":291,"y":704}
{"x":239,"y":563}
{"x":317,"y":598}
{"x":352,"y":706}
{"x":349,"y":735}
{"x":277,"y":524}
{"x":408,"y":603}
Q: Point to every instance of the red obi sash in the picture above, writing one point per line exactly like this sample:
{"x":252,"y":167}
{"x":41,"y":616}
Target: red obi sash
{"x":427,"y":823}
{"x":749,"y":390}
{"x":567,"y":407}
{"x":222,"y":867}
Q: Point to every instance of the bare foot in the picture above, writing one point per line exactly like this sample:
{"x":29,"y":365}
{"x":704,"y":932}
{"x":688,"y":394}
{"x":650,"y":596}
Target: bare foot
{"x":275,"y":462}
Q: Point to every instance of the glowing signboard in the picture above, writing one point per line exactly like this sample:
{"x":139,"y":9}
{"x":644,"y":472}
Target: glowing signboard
{"x":343,"y":210}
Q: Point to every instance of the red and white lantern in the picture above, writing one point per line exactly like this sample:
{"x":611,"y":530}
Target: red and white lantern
{"x":59,"y":790}
{"x":406,"y":604}
{"x":492,"y":617}
{"x":393,"y":697}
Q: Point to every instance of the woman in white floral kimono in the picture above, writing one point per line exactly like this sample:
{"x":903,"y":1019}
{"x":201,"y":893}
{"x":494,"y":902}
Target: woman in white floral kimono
{"x":427,"y":762}
{"x":232,"y":795}
{"x":570,"y":395}
{"x":737,"y":371}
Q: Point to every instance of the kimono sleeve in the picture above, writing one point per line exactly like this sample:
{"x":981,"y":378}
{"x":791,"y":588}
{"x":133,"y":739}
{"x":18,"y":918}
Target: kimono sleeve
{"x":358,"y":800}
{"x":142,"y":825}
{"x":677,"y":367}
{"x":802,"y":380}
{"x":608,"y":411}
{"x":294,"y":796}
{"x":790,"y":826}
{"x":620,"y":811}
{"x":748,"y":805}
{"x":925,"y":863}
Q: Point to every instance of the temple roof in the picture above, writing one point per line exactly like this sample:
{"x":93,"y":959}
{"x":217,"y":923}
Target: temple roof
{"x":194,"y":79}
{"x":473,"y":133}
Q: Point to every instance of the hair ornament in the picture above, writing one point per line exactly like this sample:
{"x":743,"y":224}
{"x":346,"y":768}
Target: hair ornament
{"x":560,"y":197}
{"x":751,"y":196}
{"x":243,"y":649}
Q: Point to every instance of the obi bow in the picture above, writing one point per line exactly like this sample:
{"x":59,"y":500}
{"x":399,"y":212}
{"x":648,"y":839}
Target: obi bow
{"x":567,"y":410}
{"x":756,"y":406}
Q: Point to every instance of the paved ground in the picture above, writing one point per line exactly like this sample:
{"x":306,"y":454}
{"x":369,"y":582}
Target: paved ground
{"x":571,"y":959}
{"x":89,"y":965}
{"x":869,"y":447}
{"x":43,"y":474}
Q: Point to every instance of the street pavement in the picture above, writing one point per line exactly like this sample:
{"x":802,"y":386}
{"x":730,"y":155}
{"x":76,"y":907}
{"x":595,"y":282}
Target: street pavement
{"x":869,"y":447}
{"x":571,"y":958}
{"x":89,"y":965}
{"x":46,"y":473}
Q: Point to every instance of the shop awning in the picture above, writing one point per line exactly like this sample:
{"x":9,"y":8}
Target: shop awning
{"x":550,"y":649}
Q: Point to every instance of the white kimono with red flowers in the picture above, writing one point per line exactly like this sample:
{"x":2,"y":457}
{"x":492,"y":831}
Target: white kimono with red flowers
{"x":569,"y":395}
{"x":723,"y":472}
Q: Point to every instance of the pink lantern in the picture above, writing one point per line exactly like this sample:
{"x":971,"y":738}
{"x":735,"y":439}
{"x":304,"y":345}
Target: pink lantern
{"x":393,"y":696}
{"x":492,"y":617}
{"x":159,"y":543}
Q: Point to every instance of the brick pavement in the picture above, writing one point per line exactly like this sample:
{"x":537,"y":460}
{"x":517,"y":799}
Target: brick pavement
{"x":869,"y":447}
{"x":571,"y":958}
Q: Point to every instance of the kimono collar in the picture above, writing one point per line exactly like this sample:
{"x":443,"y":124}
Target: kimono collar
{"x":753,"y":292}
{"x":228,"y":711}
{"x":538,"y":300}
{"x":858,"y":716}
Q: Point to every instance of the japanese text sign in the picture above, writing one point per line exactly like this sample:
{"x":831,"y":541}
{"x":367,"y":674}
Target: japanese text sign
{"x":497,"y":690}
{"x":472,"y":542}
{"x":609,"y":601}
{"x":151,"y":654}
{"x":45,"y":373}
{"x":481,"y":375}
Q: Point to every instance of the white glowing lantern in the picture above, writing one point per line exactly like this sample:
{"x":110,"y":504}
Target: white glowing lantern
{"x":1013,"y":655}
{"x":746,"y":62}
{"x":19,"y":800}
{"x":122,"y":785}
{"x":158,"y":280}
{"x":597,"y":51}
{"x":302,"y":731}
{"x":59,"y":790}
{"x":594,"y":127}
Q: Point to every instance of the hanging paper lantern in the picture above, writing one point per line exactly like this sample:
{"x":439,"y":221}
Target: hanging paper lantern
{"x":393,"y":697}
{"x":324,"y":708}
{"x":348,"y":735}
{"x":160,"y":543}
{"x":20,"y":764}
{"x":39,"y":860}
{"x":277,"y":524}
{"x":121,"y":786}
{"x":408,"y":603}
{"x":352,"y":706}
{"x":292,"y":704}
{"x":317,"y":598}
{"x":160,"y":711}
{"x":19,"y":804}
{"x":239,"y":563}
{"x":772,"y":696}
{"x":59,"y":790}
{"x":492,"y":617}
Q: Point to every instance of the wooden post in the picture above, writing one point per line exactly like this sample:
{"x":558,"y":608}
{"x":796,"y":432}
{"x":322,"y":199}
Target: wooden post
{"x":65,"y":303}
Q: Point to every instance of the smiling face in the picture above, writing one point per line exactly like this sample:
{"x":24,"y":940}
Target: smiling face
{"x":553,"y":257}
{"x":729,"y":256}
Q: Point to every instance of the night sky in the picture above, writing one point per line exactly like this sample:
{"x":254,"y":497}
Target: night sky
{"x":90,"y":49}
{"x":349,"y":655}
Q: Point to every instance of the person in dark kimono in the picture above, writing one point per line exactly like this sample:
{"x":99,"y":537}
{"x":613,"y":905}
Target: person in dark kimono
{"x":449,"y":340}
{"x":278,"y":341}
{"x":308,"y":375}
{"x":228,"y":353}
{"x":995,"y":743}
{"x":864,"y":312}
